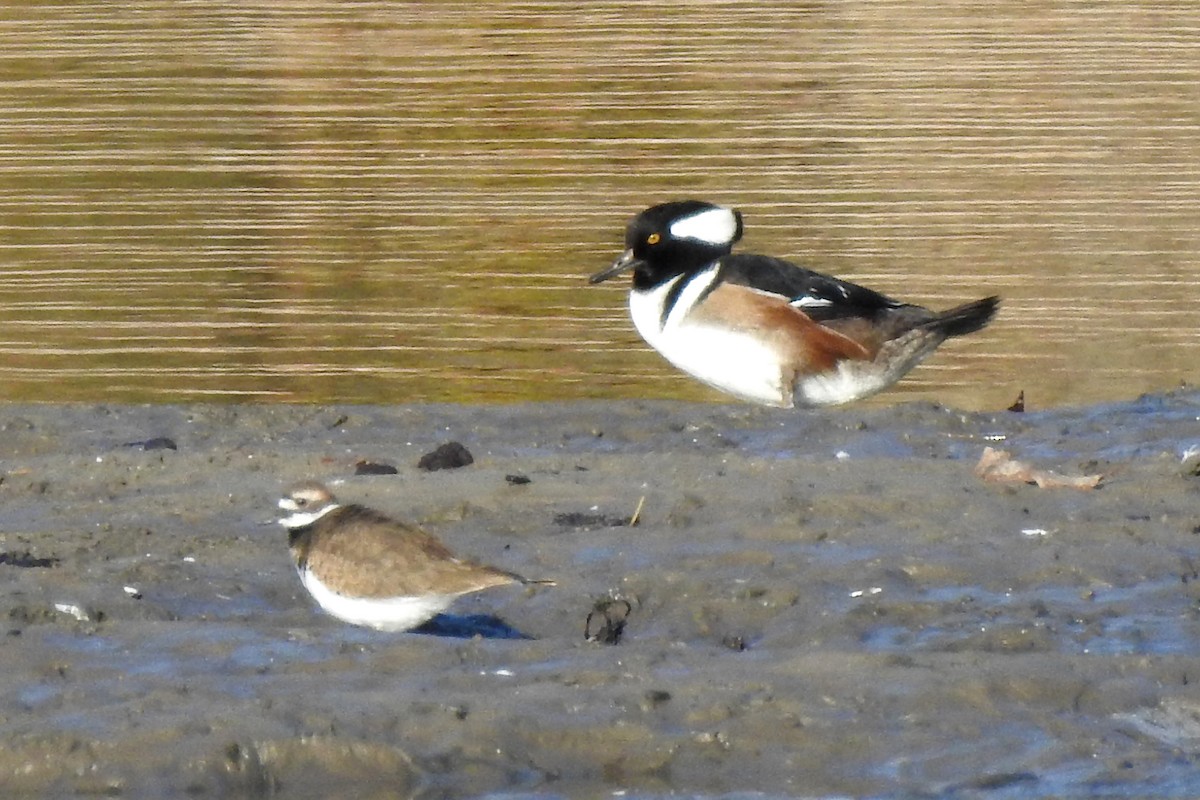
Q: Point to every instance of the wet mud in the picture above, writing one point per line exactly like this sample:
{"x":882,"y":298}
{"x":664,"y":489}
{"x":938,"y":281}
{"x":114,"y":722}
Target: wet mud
{"x":809,"y":604}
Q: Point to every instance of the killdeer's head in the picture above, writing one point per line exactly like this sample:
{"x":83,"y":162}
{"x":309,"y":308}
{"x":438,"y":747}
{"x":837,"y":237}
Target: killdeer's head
{"x":306,"y":502}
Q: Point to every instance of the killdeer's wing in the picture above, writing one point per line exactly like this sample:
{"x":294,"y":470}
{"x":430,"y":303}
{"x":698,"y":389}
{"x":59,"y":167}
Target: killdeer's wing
{"x":388,"y":558}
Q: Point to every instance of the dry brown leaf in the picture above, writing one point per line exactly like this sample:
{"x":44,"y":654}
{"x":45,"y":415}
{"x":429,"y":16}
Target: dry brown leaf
{"x":999,"y":466}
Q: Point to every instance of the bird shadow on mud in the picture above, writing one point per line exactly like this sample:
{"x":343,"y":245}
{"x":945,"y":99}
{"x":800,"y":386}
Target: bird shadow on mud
{"x":468,"y":626}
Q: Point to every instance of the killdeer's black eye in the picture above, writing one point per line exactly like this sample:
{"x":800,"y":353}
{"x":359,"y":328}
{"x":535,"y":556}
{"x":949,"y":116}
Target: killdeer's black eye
{"x":300,"y":502}
{"x":653,"y":238}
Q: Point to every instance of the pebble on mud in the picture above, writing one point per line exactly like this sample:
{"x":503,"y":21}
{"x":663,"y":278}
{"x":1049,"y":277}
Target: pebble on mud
{"x":156,"y":443}
{"x":27,"y":560}
{"x":451,"y":455}
{"x":584,"y":520}
{"x":365,"y":467}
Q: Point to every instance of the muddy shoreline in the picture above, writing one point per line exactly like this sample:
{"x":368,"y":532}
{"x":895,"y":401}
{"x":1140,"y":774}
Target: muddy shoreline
{"x":823,"y":603}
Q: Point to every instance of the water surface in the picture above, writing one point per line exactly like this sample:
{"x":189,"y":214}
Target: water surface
{"x":393,"y":202}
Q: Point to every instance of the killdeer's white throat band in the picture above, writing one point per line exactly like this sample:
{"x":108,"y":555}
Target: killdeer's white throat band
{"x":302,"y":519}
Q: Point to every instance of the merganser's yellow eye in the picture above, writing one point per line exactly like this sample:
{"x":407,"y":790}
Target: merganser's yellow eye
{"x":653,"y":238}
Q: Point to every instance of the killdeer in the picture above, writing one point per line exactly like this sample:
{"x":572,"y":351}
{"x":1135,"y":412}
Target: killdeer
{"x":368,"y":569}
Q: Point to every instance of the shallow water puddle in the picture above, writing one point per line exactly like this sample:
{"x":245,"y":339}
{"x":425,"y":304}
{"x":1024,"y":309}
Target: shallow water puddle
{"x":199,"y":656}
{"x":1152,"y":618}
{"x":1001,"y":761}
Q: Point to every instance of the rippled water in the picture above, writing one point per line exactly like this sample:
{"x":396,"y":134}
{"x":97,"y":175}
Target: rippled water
{"x":392,"y":202}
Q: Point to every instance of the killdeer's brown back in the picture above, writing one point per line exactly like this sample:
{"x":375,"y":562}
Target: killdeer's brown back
{"x":359,"y":552}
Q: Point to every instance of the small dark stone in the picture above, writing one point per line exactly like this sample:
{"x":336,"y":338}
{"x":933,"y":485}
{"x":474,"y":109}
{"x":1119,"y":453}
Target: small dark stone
{"x":157,"y":443}
{"x":451,"y":455}
{"x":27,"y":561}
{"x":517,"y":480}
{"x":735,"y":643}
{"x":374,"y":468}
{"x":656,"y":697}
{"x":579,"y":519}
{"x":1002,"y":780}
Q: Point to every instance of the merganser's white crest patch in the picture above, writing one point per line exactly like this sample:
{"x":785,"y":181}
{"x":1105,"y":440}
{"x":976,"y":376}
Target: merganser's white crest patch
{"x":716,"y":226}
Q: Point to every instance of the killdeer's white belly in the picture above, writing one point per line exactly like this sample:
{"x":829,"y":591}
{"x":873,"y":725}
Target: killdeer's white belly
{"x":382,"y":614}
{"x":726,"y":359}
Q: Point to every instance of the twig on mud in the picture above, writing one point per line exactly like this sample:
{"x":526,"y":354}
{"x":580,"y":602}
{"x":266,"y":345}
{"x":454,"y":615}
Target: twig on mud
{"x":637,"y":512}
